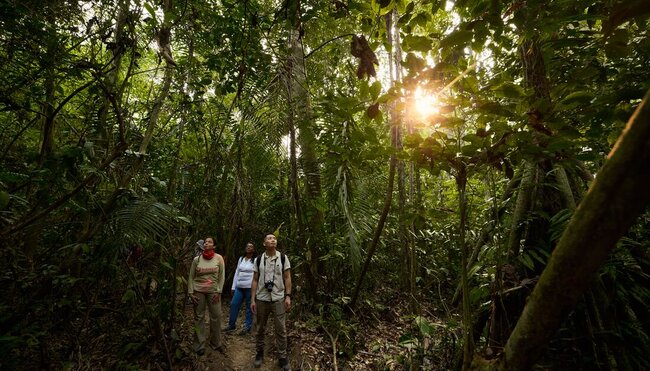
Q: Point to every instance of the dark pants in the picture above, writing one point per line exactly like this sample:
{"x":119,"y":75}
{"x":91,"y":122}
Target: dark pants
{"x":276,"y":310}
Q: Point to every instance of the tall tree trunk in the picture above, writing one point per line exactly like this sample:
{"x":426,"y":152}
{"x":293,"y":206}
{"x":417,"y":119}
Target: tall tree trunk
{"x":468,"y":340}
{"x":614,"y":200}
{"x":47,"y":133}
{"x":189,"y":100}
{"x":173,"y":176}
{"x":34,"y":232}
{"x":522,"y":206}
{"x":294,"y":187}
{"x":111,"y":80}
{"x":564,"y":187}
{"x":530,"y":190}
{"x":295,"y":191}
{"x":394,"y":62}
{"x":155,"y":115}
{"x":416,"y":195}
{"x":304,"y":122}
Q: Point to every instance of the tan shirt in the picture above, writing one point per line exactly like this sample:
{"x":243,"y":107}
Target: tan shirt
{"x":207,"y":276}
{"x":270,"y":270}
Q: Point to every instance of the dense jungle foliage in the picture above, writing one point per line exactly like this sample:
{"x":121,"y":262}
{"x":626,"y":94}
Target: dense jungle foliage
{"x":450,"y":161}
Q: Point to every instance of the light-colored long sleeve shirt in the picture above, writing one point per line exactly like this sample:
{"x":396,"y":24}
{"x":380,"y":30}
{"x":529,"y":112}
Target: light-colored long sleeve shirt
{"x":244,"y":274}
{"x":207,"y":276}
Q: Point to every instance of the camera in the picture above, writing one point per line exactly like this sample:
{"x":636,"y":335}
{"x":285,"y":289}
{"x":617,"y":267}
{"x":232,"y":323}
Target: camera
{"x":269,"y":285}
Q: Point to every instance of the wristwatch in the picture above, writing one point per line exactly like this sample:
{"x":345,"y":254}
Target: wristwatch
{"x":289,"y":294}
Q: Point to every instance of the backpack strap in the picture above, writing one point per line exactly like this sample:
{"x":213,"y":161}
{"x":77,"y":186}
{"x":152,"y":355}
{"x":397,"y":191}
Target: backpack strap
{"x":283,"y":259}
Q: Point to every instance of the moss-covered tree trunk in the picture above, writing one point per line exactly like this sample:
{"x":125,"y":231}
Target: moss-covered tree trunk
{"x":564,"y":187}
{"x":522,"y":206}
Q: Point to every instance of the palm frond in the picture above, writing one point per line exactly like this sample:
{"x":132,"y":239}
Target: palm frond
{"x":145,"y":219}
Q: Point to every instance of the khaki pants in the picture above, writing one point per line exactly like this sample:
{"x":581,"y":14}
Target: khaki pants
{"x":264,"y":310}
{"x":214,"y":309}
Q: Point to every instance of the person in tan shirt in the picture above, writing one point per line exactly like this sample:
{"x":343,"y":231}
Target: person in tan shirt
{"x":205,"y":285}
{"x":271,"y":297}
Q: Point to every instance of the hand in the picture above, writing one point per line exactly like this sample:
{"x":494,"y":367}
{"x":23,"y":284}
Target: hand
{"x":232,"y":292}
{"x":287,"y":303}
{"x":253,"y":306}
{"x":216,"y":298}
{"x":194,"y":298}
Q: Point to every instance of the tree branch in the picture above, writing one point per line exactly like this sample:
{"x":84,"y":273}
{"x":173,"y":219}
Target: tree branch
{"x":116,"y":153}
{"x":327,"y":42}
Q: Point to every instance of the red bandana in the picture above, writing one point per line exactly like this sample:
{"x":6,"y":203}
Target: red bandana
{"x":208,"y":254}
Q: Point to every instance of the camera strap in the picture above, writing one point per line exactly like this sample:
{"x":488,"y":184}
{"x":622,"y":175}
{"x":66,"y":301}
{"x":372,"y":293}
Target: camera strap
{"x":275,"y":263}
{"x":262,"y":278}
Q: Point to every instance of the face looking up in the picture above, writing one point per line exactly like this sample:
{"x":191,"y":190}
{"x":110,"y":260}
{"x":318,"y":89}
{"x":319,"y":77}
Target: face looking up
{"x":208,"y":244}
{"x":270,"y":240}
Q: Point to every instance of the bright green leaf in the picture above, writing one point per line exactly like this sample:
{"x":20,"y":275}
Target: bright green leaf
{"x":151,"y":11}
{"x":577,"y":98}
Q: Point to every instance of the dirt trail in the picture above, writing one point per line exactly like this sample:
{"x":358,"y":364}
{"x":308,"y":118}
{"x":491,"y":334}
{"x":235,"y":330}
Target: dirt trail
{"x":239,"y":353}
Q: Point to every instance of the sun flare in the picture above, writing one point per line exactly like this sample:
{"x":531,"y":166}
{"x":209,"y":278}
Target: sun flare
{"x":426,"y":104}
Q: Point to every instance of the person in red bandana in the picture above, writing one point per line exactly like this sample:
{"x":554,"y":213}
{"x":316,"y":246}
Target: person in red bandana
{"x":204,"y":286}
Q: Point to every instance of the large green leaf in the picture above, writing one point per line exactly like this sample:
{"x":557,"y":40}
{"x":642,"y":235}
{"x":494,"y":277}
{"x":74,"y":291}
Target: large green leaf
{"x":417,"y":43}
{"x":509,"y":90}
{"x":576,"y":99}
{"x":456,"y":39}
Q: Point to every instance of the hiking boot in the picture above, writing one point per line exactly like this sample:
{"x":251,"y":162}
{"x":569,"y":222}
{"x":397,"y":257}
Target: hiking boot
{"x":244,"y":331}
{"x":284,"y":364}
{"x":259,"y":358}
{"x":228,"y":330}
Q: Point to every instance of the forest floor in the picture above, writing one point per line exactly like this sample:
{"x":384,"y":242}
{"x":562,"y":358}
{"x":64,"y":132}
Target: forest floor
{"x":239,"y":353}
{"x":375,"y":345}
{"x":380,"y":337}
